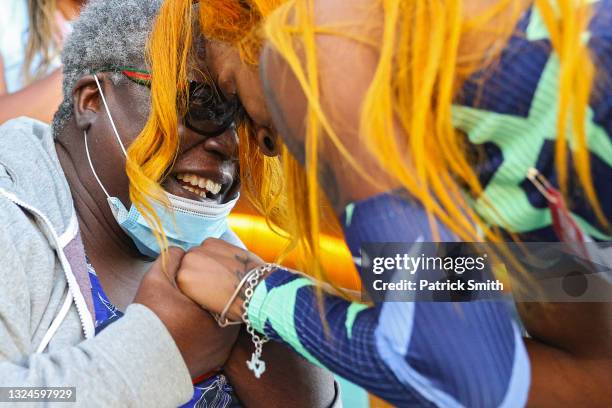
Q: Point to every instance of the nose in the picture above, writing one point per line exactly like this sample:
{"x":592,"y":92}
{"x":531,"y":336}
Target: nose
{"x":224,"y":144}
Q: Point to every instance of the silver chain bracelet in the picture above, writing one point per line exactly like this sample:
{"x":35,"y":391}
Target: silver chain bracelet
{"x":255,"y":364}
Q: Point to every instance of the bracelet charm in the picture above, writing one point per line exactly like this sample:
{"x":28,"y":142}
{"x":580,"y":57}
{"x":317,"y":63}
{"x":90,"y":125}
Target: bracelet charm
{"x":255,"y":364}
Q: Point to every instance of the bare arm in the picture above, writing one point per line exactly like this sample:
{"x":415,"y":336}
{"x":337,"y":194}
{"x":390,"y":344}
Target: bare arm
{"x":38,"y":100}
{"x":289,"y":380}
{"x":570,"y":352}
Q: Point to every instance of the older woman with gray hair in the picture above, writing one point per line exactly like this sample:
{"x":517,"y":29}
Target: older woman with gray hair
{"x":75,"y":310}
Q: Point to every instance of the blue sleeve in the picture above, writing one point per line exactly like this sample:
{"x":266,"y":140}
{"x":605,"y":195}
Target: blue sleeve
{"x":408,"y":353}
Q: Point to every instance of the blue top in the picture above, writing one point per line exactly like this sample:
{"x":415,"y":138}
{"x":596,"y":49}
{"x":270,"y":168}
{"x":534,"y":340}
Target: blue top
{"x":409,"y":353}
{"x":470,"y":353}
{"x":509,"y":114}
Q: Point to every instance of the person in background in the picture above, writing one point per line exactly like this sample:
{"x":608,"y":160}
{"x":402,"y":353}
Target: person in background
{"x":32,"y":33}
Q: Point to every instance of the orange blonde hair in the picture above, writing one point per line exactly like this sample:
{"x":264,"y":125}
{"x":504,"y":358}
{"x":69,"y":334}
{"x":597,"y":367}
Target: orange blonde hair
{"x":154,"y":151}
{"x":419,"y":71}
{"x":420,"y":68}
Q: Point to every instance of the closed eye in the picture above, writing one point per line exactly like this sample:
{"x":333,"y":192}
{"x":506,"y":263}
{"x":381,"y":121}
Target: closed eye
{"x":210,"y":113}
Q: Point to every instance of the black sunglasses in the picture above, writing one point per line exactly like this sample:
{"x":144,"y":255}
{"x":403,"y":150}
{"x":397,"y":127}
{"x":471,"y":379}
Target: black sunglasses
{"x":209,"y":112}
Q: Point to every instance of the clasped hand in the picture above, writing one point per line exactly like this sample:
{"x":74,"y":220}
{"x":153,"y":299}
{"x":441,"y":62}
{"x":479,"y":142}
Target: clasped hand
{"x":210,"y":273}
{"x":191,"y":285}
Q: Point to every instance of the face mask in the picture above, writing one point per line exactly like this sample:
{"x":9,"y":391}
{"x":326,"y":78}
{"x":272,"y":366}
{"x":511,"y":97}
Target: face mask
{"x":186,"y":223}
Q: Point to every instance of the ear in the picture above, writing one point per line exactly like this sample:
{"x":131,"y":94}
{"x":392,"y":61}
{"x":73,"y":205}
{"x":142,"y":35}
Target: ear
{"x":86,"y":101}
{"x":267,"y":141}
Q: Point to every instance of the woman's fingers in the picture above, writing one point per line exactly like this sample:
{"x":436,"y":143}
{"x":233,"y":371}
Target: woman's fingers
{"x":230,"y":256}
{"x":204,"y":278}
{"x":203,"y":345}
{"x":219,"y":248}
{"x":172,"y":260}
{"x":210,"y":273}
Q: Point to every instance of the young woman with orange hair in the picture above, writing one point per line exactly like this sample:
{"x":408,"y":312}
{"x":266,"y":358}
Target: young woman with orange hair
{"x":385,"y":104}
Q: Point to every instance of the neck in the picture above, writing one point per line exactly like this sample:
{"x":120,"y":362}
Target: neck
{"x":117,"y":263}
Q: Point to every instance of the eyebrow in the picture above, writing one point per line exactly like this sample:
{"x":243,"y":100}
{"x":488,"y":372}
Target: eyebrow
{"x":137,"y":75}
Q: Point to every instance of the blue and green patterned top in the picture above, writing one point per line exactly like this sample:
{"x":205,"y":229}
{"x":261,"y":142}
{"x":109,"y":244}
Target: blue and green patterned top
{"x":510,"y":112}
{"x":445,"y":354}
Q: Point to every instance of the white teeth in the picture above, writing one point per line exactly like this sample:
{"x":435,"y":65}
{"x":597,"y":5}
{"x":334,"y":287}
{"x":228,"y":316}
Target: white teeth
{"x":213,"y":187}
{"x":198,"y":184}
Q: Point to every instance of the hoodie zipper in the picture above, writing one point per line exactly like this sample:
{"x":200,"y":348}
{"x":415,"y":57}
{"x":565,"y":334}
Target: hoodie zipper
{"x":79,"y":301}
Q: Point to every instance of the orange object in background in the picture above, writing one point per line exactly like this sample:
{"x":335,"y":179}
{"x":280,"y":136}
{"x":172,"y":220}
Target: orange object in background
{"x":376,"y":402}
{"x":261,"y":240}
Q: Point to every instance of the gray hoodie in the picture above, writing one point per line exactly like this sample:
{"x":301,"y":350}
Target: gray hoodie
{"x":46,"y":310}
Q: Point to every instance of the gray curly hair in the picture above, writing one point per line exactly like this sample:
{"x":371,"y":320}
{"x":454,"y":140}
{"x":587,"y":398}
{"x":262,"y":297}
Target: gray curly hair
{"x":108,"y":33}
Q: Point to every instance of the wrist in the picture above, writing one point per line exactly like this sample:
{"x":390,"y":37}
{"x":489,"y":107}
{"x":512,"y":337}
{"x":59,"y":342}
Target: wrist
{"x":236,"y":310}
{"x":246,"y":288}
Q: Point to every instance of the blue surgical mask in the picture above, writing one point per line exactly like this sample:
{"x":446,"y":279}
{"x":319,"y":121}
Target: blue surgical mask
{"x":186,"y":223}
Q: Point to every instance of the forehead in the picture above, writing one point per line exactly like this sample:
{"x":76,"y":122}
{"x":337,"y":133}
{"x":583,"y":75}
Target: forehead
{"x":131,"y":95}
{"x":198,"y":67}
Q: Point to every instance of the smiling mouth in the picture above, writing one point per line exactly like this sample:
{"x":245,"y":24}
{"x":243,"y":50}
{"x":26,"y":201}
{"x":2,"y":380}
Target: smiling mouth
{"x":198,"y":185}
